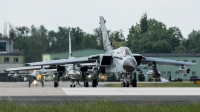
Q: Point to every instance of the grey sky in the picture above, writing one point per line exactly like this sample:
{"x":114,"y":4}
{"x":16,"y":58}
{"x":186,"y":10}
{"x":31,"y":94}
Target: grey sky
{"x":120,"y":14}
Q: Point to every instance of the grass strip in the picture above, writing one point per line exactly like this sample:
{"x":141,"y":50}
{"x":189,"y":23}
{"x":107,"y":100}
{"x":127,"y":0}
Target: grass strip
{"x":97,"y":106}
{"x":170,"y":84}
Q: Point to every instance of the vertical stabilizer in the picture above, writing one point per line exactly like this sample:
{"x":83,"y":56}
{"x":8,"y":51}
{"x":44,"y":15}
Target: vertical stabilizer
{"x":106,"y":42}
{"x":70,"y":50}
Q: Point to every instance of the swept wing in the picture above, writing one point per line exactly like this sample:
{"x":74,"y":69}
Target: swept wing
{"x":26,"y":68}
{"x":160,"y":61}
{"x":62,"y":61}
{"x":150,"y":60}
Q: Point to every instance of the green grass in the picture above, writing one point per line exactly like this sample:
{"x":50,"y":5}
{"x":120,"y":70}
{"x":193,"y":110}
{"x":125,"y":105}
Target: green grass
{"x":170,"y":84}
{"x":98,"y":106}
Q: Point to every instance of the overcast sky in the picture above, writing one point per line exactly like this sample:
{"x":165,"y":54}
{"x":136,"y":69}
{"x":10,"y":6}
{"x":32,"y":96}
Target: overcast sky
{"x":119,"y":14}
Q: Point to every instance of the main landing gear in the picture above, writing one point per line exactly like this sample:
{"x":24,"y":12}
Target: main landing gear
{"x":94,"y":83}
{"x":57,"y":75}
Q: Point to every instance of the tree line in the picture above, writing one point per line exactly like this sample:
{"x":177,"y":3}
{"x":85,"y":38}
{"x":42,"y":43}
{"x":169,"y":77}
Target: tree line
{"x":152,"y":36}
{"x":147,"y":36}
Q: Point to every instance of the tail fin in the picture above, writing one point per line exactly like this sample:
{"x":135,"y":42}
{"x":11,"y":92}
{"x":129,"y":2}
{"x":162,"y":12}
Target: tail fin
{"x":106,"y":42}
{"x":70,"y":50}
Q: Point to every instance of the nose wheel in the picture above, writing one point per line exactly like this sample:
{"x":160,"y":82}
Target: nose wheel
{"x":74,"y":85}
{"x":125,"y":80}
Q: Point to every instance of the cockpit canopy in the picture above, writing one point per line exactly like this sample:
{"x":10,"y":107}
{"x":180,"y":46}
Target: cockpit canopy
{"x":126,"y":51}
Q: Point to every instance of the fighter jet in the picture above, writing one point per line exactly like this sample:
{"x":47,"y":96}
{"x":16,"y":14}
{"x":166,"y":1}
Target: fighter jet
{"x":120,"y":60}
{"x":66,"y":70}
{"x":36,"y":75}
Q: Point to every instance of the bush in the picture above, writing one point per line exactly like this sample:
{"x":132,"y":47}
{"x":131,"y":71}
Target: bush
{"x":141,"y":77}
{"x":179,"y":79}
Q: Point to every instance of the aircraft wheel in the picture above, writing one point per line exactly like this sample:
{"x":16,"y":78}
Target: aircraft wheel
{"x":42,"y":84}
{"x":127,"y":85}
{"x":122,"y":84}
{"x":70,"y":85}
{"x":55,"y":84}
{"x":74,"y":85}
{"x":134,"y":83}
{"x":86,"y":84}
{"x":94,"y":83}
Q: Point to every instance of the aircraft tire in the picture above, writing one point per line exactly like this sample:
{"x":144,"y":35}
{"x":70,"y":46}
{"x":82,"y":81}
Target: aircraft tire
{"x":70,"y":85}
{"x":94,"y":83}
{"x":134,"y":83}
{"x":86,"y":84}
{"x":122,"y":84}
{"x":42,"y":84}
{"x":55,"y":84}
{"x":127,"y":85}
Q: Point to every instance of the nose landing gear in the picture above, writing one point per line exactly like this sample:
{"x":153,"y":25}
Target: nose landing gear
{"x":126,"y":80}
{"x":74,"y":85}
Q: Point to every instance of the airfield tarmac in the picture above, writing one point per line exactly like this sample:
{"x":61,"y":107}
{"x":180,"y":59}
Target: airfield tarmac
{"x":20,"y":92}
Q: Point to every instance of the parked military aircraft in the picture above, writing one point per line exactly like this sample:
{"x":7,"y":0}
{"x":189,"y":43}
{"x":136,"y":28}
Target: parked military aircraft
{"x":119,"y":60}
{"x":67,"y":70}
{"x":37,"y":73}
{"x":153,"y":74}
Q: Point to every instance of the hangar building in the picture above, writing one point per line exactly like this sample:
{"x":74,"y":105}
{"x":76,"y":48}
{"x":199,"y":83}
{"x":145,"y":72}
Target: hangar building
{"x":9,"y":57}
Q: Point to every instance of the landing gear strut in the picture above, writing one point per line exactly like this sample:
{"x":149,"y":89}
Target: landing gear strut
{"x":83,"y":71}
{"x":125,"y":84}
{"x":58,"y":75}
{"x":74,"y":85}
{"x":85,"y":83}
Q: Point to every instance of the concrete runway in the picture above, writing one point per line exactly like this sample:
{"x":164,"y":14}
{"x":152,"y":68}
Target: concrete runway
{"x":20,"y":92}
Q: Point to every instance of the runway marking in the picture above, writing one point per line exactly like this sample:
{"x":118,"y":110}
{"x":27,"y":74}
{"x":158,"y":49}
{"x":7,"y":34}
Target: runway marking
{"x":131,"y":91}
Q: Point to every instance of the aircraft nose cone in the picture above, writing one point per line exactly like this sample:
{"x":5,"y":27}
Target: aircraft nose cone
{"x":129,"y":65}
